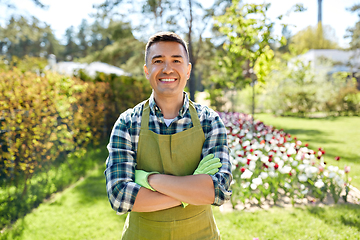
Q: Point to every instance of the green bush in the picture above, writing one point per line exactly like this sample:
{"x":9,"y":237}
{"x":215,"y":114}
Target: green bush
{"x":48,"y":119}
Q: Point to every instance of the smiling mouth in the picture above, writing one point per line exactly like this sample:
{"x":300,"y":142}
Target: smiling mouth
{"x":167,"y":80}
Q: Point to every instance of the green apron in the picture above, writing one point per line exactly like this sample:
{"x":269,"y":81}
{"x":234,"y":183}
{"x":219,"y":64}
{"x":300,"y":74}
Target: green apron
{"x":178,"y":154}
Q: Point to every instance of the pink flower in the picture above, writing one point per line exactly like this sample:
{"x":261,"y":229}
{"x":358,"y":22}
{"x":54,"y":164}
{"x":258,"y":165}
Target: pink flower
{"x":347,"y":169}
{"x":337,"y":158}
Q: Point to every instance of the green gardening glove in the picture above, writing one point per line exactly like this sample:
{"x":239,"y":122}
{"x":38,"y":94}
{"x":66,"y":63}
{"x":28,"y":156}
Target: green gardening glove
{"x":208,"y":165}
{"x":141,"y":178}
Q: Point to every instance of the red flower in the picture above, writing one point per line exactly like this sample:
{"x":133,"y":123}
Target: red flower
{"x":323,"y":151}
{"x":248,"y":161}
{"x":337,"y":158}
{"x":290,"y":174}
{"x":242,"y":169}
{"x":266,"y":166}
{"x":306,"y":144}
{"x":276,"y":166}
{"x":251,"y":150}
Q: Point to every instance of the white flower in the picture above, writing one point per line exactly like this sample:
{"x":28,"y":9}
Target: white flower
{"x":249,"y":135}
{"x":339,"y":181}
{"x":245,"y":185}
{"x":291,"y":151}
{"x":267,"y":148}
{"x":246,"y":143}
{"x":294,"y":163}
{"x":252,"y":166}
{"x":268,"y":137}
{"x":285,"y":169}
{"x":305,"y":191}
{"x":273,"y":174}
{"x":264,"y":159}
{"x":302,"y":186}
{"x":253,"y":186}
{"x":246,"y":174}
{"x":306,"y":162}
{"x":302,"y":178}
{"x":258,"y":181}
{"x":264,"y":175}
{"x":332,"y":175}
{"x":319,"y":183}
{"x":311,"y":171}
{"x":301,"y":167}
{"x":333,"y":168}
{"x":287,"y":185}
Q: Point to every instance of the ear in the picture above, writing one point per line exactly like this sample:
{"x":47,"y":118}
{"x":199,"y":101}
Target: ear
{"x":188,"y":71}
{"x":146,"y":71}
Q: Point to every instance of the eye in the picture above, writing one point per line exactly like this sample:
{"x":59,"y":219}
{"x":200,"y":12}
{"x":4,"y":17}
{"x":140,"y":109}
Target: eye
{"x":177,"y":61}
{"x":158,"y":61}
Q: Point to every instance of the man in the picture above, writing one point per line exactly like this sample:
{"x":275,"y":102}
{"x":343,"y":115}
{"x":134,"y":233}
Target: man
{"x":168,"y":157}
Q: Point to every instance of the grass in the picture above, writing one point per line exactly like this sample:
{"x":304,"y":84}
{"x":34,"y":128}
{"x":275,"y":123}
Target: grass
{"x":339,"y":136}
{"x":82,"y":211}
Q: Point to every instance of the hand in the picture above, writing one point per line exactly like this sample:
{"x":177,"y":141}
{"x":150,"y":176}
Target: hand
{"x":208,"y":165}
{"x":141,"y":178}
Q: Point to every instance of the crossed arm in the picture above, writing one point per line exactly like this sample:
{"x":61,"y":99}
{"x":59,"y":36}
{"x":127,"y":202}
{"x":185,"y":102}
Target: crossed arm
{"x":171,"y":190}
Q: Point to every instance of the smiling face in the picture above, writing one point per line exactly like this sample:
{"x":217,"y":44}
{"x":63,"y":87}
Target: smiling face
{"x":167,"y":69}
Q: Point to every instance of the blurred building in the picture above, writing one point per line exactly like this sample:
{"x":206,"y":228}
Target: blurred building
{"x":69,"y":68}
{"x":333,"y":60}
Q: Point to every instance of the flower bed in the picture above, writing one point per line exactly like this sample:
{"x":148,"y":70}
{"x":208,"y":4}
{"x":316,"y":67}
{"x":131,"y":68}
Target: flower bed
{"x":267,"y":161}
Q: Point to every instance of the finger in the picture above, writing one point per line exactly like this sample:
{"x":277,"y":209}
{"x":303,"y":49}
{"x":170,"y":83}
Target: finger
{"x":204,"y":165}
{"x":213,"y":171}
{"x":207,"y":157}
{"x":211,"y":167}
{"x":210,"y":162}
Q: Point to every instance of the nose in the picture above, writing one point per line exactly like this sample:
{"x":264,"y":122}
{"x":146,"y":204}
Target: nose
{"x":167,"y":68}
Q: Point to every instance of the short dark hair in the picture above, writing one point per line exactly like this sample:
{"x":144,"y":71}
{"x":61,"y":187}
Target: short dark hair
{"x":165,"y":37}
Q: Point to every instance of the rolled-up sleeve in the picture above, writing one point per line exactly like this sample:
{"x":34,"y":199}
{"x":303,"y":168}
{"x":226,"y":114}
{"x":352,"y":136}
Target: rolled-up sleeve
{"x":120,"y":168}
{"x":216,"y":143}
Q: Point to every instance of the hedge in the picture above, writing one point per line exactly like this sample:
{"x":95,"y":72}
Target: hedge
{"x":47,"y":119}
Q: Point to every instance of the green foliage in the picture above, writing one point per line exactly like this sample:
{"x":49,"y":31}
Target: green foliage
{"x":318,"y":37}
{"x":247,"y":55}
{"x":248,"y":33}
{"x":22,"y":36}
{"x":297,"y":89}
{"x":48,"y":119}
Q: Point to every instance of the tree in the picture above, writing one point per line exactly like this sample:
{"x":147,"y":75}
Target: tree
{"x":318,"y":37}
{"x":83,"y":38}
{"x":8,"y":4}
{"x":71,"y":47}
{"x":178,"y":16}
{"x":354,"y":32}
{"x":22,"y":36}
{"x":247,"y":53}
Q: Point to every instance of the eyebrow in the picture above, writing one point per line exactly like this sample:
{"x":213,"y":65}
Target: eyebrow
{"x":173,"y":56}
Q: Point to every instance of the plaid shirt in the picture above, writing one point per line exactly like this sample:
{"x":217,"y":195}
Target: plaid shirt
{"x":121,"y":163}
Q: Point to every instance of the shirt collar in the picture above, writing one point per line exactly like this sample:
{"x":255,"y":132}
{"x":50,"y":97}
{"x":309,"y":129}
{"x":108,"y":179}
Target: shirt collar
{"x":154,"y":108}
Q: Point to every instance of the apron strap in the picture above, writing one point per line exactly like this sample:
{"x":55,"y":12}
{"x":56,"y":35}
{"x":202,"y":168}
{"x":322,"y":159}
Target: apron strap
{"x":145,"y":116}
{"x":194,"y":116}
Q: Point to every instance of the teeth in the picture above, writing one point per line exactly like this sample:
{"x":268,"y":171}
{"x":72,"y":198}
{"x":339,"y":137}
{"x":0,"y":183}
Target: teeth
{"x":167,"y":80}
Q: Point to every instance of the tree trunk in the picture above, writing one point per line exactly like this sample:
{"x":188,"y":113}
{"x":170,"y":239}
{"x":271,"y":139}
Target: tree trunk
{"x":192,"y":80}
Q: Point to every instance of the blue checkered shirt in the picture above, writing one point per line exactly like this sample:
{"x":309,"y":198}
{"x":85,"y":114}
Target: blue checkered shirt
{"x":121,"y":163}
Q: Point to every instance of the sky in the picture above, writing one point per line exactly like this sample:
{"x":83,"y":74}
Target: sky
{"x":62,"y":14}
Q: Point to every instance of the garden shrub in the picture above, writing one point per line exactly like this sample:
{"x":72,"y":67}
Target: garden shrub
{"x":300,"y":90}
{"x":48,"y":119}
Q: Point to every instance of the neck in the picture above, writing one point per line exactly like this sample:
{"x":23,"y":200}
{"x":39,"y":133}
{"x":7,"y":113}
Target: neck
{"x":170,"y":106}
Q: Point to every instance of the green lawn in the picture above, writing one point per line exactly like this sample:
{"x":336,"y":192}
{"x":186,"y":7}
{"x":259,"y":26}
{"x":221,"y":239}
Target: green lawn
{"x":339,"y":136}
{"x":82,"y":211}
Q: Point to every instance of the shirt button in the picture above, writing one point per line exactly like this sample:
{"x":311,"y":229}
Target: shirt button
{"x":156,"y":108}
